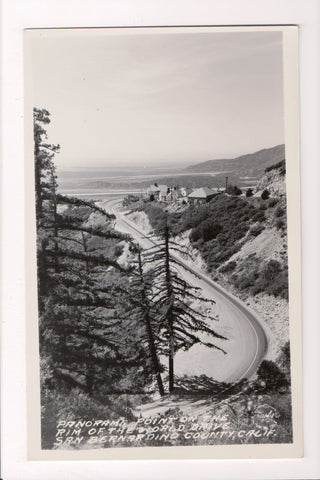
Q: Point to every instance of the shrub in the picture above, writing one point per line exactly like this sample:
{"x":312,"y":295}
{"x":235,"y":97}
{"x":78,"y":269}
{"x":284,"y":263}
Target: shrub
{"x":271,"y":270}
{"x":195,"y":235}
{"x":205,"y":231}
{"x":279,"y":212}
{"x":258,"y":217}
{"x":271,"y":375}
{"x":279,"y":224}
{"x":210,"y":230}
{"x":130,"y":199}
{"x":235,"y":280}
{"x":256,"y":229}
{"x":233,"y":190}
{"x":265,"y":194}
{"x":229,"y":267}
{"x":279,"y":287}
{"x":249,"y":192}
{"x":284,"y":359}
{"x":118,"y":251}
{"x":245,"y":282}
{"x":273,"y":280}
{"x":255,"y":290}
{"x":272,"y":202}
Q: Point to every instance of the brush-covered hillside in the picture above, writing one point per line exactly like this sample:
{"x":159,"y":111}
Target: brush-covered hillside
{"x":229,"y":227}
{"x":260,"y":263}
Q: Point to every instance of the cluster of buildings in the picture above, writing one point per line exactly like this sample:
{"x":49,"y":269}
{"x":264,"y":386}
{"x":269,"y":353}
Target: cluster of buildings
{"x":164,"y":193}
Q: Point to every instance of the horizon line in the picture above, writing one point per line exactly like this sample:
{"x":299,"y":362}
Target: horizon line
{"x":155,"y":165}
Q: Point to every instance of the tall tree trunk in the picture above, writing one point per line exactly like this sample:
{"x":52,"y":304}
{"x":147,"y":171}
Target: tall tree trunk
{"x":170,"y":319}
{"x":38,"y":184}
{"x":153,"y":352}
{"x":90,"y":372}
{"x":55,"y":218}
{"x":147,"y":320}
{"x":42,"y":273}
{"x":171,"y":354}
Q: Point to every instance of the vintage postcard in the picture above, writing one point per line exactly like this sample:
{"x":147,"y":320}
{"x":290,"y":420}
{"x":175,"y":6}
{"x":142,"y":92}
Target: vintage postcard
{"x":163,"y":251}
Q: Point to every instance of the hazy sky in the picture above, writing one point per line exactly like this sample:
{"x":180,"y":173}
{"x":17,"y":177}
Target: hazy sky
{"x":153,"y":99}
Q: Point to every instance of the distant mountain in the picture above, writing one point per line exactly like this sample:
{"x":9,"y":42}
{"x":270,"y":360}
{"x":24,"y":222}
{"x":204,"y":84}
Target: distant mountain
{"x":251,"y":165}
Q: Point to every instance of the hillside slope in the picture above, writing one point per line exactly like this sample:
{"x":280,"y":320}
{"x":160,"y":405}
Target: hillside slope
{"x":252,"y":164}
{"x":258,"y":271}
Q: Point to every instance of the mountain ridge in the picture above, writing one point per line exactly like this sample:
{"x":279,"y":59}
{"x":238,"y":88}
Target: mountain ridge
{"x":252,"y":164}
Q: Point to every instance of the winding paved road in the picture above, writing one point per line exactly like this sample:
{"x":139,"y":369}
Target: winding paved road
{"x":247,"y":340}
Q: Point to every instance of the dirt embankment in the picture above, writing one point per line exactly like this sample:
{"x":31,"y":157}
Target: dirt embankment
{"x":141,"y":220}
{"x":273,"y":311}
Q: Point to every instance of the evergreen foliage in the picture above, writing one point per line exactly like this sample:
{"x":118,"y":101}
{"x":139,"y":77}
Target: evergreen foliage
{"x":143,"y":310}
{"x":83,"y":337}
{"x":233,"y":190}
{"x":265,"y":194}
{"x":180,"y":325}
{"x":272,"y":376}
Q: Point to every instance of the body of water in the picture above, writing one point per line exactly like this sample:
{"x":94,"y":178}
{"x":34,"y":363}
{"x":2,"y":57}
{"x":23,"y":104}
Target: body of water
{"x":98,"y":182}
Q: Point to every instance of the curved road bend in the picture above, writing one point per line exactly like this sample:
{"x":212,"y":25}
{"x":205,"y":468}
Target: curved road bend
{"x":247,"y":341}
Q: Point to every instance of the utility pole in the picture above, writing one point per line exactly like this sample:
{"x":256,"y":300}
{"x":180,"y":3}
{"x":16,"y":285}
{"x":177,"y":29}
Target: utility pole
{"x":226,"y":182}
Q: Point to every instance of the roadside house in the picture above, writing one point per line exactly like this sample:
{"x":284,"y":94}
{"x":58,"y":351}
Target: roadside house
{"x":154,"y":191}
{"x":159,"y":192}
{"x":203,"y":194}
{"x":164,"y":190}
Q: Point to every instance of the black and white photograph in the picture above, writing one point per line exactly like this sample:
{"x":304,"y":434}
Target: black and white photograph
{"x":159,"y":177}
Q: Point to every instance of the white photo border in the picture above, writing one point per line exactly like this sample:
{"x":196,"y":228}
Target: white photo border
{"x":291,"y":122}
{"x":18,"y":15}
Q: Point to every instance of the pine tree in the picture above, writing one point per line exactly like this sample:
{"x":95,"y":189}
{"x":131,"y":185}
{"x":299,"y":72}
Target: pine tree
{"x":180,"y":325}
{"x":80,"y":329}
{"x":45,"y":180}
{"x":140,"y":297}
